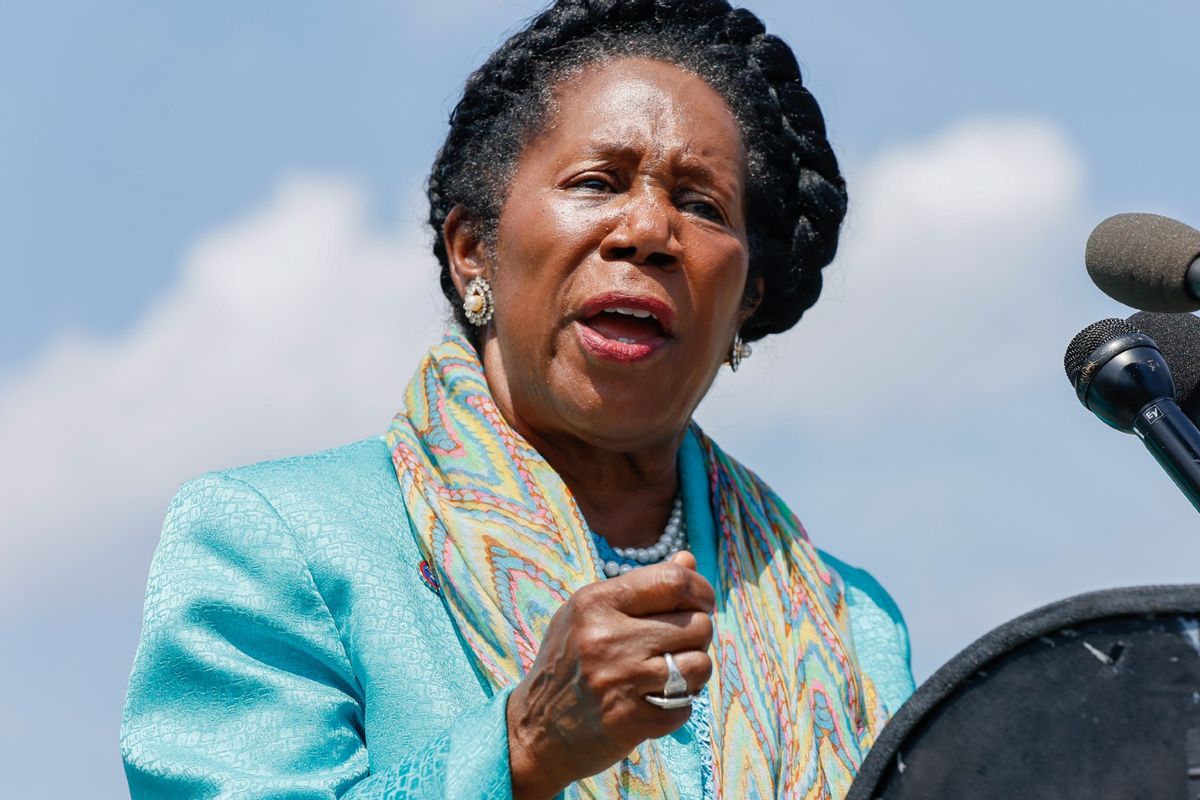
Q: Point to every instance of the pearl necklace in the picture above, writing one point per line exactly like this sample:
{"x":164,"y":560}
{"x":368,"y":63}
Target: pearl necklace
{"x":673,"y":539}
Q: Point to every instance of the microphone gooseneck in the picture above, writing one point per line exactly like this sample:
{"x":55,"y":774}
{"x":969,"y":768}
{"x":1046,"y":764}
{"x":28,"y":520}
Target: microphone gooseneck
{"x":1146,"y":261}
{"x":1121,"y":377}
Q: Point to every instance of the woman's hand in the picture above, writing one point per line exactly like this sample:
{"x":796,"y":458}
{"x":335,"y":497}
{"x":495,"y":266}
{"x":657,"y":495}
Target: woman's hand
{"x":582,"y":707}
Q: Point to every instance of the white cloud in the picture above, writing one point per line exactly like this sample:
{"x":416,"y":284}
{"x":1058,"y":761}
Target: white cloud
{"x":292,"y":330}
{"x":946,"y":259}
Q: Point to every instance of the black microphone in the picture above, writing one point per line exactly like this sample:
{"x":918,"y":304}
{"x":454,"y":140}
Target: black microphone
{"x":1121,"y":377}
{"x":1146,"y":261}
{"x":1178,"y":339}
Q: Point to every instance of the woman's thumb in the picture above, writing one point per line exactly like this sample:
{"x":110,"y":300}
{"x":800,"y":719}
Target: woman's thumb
{"x":684,"y":559}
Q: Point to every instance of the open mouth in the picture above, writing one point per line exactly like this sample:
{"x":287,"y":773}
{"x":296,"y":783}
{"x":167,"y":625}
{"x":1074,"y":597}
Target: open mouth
{"x":624,"y":331}
{"x":626,"y":325}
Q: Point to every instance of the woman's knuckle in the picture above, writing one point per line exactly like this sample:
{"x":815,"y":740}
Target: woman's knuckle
{"x":598,"y":681}
{"x":584,"y":599}
{"x":674,"y":579}
{"x":600,"y":640}
{"x":593,"y":641}
{"x":607,"y":678}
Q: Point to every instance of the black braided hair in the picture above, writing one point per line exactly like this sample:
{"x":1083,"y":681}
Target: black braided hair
{"x":795,"y":195}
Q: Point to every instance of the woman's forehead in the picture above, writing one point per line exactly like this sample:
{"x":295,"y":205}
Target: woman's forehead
{"x":638,"y":104}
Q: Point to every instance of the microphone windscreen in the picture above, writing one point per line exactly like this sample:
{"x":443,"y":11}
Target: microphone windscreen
{"x":1142,"y":260}
{"x":1178,"y":339}
{"x":1088,"y":340}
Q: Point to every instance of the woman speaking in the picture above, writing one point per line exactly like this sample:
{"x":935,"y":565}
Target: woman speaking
{"x":545,"y":579}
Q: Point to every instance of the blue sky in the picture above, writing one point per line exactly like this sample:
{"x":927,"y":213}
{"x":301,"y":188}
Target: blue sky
{"x":210,"y":253}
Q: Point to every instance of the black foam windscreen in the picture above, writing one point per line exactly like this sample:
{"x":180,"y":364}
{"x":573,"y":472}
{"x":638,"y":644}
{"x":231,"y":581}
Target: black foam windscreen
{"x":1096,"y":697}
{"x":1178,"y":339}
{"x":1142,"y":260}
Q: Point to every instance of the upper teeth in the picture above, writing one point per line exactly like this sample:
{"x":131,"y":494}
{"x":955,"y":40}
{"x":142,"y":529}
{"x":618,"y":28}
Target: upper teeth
{"x":633,"y":312}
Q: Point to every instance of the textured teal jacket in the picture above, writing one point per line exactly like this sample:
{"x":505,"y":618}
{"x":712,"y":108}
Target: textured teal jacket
{"x":290,"y":647}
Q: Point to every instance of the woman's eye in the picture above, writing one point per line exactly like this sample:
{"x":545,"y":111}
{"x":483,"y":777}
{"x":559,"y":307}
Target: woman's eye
{"x":594,"y":185}
{"x":703,"y":208}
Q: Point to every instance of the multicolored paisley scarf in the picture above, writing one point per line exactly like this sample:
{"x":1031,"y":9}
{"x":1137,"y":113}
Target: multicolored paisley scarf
{"x":792,"y":716}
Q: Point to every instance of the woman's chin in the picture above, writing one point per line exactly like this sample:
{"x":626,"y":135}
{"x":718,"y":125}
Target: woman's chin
{"x":607,"y":394}
{"x":625,"y":415}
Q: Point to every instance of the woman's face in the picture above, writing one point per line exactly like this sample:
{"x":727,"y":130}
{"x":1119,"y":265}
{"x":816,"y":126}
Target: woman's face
{"x":621,"y":258}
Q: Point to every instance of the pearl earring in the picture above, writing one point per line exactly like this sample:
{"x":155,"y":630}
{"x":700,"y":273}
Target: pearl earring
{"x":739,"y":351}
{"x":477,"y":302}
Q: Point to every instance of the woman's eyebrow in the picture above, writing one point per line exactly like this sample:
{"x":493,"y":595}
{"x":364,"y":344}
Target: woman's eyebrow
{"x":610,"y":150}
{"x":701,"y":170}
{"x":709,"y":172}
{"x":689,"y":164}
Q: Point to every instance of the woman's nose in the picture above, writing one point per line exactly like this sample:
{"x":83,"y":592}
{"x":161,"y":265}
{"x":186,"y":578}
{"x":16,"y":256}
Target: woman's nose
{"x":644,"y":232}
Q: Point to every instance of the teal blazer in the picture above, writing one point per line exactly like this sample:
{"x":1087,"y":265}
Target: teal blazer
{"x":291,"y":647}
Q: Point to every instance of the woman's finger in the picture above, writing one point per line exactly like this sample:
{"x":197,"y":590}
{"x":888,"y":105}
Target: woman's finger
{"x":694,"y":665}
{"x":672,"y":631}
{"x":660,"y":589}
{"x":684,"y":559}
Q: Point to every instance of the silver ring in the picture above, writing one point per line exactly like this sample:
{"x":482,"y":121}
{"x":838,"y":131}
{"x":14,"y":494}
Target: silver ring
{"x":674,"y":690}
{"x":675,"y":685}
{"x":671,"y":702}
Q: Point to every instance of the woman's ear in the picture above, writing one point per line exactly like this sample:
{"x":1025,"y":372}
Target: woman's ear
{"x":465,"y":249}
{"x":751,"y":300}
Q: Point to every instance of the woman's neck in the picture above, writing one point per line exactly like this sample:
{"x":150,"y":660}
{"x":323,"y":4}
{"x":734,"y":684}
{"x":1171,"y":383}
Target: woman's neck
{"x":625,"y":487}
{"x":625,"y":498}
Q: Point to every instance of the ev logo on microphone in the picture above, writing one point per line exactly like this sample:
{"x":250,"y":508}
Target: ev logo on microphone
{"x":1152,"y":414}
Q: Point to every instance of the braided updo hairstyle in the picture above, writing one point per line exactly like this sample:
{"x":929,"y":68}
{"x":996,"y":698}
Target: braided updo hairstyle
{"x":795,"y":194}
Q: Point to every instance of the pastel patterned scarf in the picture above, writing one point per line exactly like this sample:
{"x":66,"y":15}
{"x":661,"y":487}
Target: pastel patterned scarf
{"x":792,"y":716}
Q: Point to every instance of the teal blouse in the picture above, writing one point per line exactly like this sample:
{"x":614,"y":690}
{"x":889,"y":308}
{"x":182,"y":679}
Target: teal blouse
{"x":291,"y":647}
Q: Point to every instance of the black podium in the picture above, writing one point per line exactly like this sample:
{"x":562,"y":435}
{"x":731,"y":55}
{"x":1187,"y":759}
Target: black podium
{"x":1096,"y":697}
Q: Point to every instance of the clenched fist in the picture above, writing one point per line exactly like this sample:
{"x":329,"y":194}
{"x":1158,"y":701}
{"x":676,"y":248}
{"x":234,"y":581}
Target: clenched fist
{"x":582,"y":706}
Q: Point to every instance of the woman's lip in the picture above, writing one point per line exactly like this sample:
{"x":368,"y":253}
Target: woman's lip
{"x":661,"y":311}
{"x":612,"y":349}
